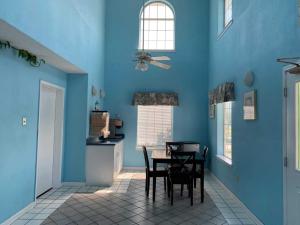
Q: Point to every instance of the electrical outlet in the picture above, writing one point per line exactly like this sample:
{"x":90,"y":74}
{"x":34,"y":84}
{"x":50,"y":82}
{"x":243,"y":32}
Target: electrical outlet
{"x":24,"y":121}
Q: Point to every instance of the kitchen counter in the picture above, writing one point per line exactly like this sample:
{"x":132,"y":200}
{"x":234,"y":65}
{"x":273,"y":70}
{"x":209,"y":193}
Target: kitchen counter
{"x":109,"y":141}
{"x":104,"y":161}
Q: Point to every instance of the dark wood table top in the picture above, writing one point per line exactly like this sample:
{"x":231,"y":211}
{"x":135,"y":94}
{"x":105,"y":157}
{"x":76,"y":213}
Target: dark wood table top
{"x":162,"y":155}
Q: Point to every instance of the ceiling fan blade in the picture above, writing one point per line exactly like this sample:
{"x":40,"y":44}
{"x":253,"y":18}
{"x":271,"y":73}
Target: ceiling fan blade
{"x":160,"y":65}
{"x":161,"y":58}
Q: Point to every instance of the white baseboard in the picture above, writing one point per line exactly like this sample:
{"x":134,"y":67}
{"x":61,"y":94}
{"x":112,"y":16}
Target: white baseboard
{"x":57,"y":185}
{"x":253,"y":217}
{"x":134,"y":168}
{"x":73,"y":184}
{"x":18,"y":214}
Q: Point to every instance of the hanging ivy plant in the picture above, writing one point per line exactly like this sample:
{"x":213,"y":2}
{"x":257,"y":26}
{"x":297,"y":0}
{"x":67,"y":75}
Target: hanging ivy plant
{"x":5,"y":44}
{"x":32,"y":59}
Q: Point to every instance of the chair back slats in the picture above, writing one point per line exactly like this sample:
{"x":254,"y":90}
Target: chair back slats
{"x":174,"y":146}
{"x":181,"y":162}
{"x":205,"y":152}
{"x":191,"y":147}
{"x":146,"y":158}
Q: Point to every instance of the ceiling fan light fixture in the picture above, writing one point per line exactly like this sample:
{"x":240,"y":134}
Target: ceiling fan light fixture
{"x":142,"y":66}
{"x":144,"y":58}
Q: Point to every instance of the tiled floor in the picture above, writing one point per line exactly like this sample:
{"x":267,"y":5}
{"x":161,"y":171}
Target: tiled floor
{"x":125,"y":203}
{"x":134,"y":208}
{"x":52,"y":200}
{"x":231,"y":208}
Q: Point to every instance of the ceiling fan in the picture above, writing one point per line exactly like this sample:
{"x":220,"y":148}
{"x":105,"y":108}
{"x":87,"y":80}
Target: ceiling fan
{"x":144,"y":58}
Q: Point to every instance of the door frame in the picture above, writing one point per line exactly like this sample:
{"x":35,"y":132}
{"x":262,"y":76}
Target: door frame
{"x":58,"y":140}
{"x":284,"y":138}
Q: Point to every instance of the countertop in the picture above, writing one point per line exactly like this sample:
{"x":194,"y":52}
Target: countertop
{"x":107,"y":142}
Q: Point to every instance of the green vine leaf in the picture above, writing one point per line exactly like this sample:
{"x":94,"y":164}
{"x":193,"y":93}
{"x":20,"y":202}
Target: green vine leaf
{"x":5,"y":44}
{"x":32,"y":59}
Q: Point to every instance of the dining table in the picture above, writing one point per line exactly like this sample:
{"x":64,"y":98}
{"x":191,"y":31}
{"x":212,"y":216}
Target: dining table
{"x":161,"y":157}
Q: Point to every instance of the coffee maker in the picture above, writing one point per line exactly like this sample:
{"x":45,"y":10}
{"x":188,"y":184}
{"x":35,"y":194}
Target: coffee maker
{"x":114,"y":125}
{"x":99,"y":124}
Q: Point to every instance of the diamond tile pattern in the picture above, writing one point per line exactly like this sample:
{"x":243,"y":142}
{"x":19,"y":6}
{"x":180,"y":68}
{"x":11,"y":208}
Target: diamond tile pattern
{"x":134,"y":207}
{"x":125,"y":203}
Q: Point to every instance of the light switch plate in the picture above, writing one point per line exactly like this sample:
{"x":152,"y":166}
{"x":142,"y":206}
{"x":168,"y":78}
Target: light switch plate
{"x":24,"y":121}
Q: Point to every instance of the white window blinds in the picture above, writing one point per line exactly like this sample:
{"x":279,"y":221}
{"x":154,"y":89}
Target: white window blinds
{"x":228,"y":130}
{"x":227,"y":12}
{"x":154,"y":126}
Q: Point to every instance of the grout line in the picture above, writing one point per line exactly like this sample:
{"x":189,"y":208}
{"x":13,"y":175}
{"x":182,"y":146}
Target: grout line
{"x":219,"y":191}
{"x":230,"y":207}
{"x":53,"y":199}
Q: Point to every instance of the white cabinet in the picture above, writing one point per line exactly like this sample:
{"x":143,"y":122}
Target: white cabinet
{"x":103,"y":163}
{"x":118,"y":158}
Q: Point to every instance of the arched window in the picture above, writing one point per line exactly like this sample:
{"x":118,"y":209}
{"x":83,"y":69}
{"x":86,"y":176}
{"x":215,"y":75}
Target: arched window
{"x":159,"y":21}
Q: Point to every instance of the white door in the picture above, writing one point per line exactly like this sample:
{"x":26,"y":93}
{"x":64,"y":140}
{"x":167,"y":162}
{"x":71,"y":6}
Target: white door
{"x":293,"y":151}
{"x":45,"y":153}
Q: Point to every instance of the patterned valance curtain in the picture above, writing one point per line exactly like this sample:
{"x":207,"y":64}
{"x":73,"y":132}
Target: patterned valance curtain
{"x":223,"y":93}
{"x":151,"y":98}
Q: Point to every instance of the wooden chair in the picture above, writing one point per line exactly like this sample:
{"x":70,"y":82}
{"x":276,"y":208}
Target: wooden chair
{"x":174,"y":146}
{"x":198,"y":168}
{"x":150,"y":173}
{"x":181,"y":172}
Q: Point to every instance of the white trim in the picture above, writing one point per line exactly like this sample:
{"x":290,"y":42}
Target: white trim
{"x":174,"y":31}
{"x":224,"y":159}
{"x":52,"y":85}
{"x":60,"y":89}
{"x":162,"y":1}
{"x":252,"y":216}
{"x":73,"y":184}
{"x":284,"y":143}
{"x":134,"y":169}
{"x":158,"y":50}
{"x":59,"y":137}
{"x":221,"y":34}
{"x":284,"y":140}
{"x":18,"y":214}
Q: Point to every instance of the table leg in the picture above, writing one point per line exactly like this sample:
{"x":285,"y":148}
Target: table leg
{"x":154,"y":180}
{"x":202,"y":182}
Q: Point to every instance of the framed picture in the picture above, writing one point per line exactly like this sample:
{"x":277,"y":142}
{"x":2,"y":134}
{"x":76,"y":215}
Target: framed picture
{"x":212,"y":111}
{"x":250,"y":105}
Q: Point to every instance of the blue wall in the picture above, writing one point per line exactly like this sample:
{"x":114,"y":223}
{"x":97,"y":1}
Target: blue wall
{"x":261,"y":32}
{"x":76,"y":114}
{"x":74,"y":30}
{"x":19,"y":96}
{"x":188,"y":76}
{"x":92,"y":37}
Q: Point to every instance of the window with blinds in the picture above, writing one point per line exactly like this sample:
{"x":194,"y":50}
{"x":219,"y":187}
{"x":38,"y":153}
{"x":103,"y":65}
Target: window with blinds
{"x":228,"y":130}
{"x":154,"y":126}
{"x":224,"y":132}
{"x":227,"y":12}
